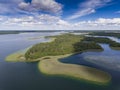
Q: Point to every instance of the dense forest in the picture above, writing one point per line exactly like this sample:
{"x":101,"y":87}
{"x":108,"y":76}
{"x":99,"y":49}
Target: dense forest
{"x":67,"y":44}
{"x":103,"y":40}
{"x":106,"y":34}
{"x":63,"y":44}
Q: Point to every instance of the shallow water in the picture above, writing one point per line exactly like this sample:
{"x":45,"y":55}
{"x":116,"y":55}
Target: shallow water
{"x":26,"y":76}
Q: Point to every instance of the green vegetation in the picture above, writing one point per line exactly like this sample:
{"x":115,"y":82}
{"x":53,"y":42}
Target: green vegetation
{"x":98,"y":40}
{"x":112,"y":44}
{"x":51,"y":66}
{"x":63,"y":44}
{"x":106,"y":34}
{"x":115,"y":45}
{"x":18,"y":56}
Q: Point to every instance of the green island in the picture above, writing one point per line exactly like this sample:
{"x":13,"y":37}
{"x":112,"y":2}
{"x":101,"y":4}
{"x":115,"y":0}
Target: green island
{"x":112,"y":44}
{"x":113,"y":34}
{"x":48,"y":54}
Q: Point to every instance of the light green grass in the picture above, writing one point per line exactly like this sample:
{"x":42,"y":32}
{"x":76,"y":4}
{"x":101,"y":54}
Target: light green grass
{"x":16,"y":57}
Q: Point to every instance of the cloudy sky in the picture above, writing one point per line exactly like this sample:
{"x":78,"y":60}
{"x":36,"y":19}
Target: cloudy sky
{"x":59,"y":14}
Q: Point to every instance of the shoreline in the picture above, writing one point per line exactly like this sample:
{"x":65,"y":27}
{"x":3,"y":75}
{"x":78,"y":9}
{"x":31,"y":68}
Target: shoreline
{"x":115,"y":48}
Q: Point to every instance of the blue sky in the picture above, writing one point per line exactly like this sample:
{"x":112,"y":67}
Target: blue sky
{"x":60,"y":14}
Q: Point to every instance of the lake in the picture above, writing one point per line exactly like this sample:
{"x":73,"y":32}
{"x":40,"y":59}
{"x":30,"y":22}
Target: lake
{"x":26,"y":76}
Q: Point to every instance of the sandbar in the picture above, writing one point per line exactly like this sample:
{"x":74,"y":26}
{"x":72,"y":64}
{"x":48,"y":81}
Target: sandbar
{"x":52,"y":66}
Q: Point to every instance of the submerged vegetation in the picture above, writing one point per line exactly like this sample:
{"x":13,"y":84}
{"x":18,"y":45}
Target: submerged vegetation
{"x":63,"y":44}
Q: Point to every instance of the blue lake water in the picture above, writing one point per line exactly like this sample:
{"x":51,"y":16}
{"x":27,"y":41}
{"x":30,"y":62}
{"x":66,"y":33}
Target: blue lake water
{"x":26,"y":76}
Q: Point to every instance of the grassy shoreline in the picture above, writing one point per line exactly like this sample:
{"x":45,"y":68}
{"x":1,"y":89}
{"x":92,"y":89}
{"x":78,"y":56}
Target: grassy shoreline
{"x":17,"y":56}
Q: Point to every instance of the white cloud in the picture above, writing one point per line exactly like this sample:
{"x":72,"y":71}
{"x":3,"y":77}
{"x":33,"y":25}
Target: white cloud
{"x":50,"y":6}
{"x":88,"y":7}
{"x":62,"y":23}
{"x":100,"y":24}
{"x":36,"y":6}
{"x":48,"y":19}
{"x":43,"y":20}
{"x":103,"y":21}
{"x":24,"y":6}
{"x":48,"y":22}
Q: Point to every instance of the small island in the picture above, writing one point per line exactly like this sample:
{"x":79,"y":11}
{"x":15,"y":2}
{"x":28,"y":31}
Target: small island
{"x":48,"y":54}
{"x":112,"y":44}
